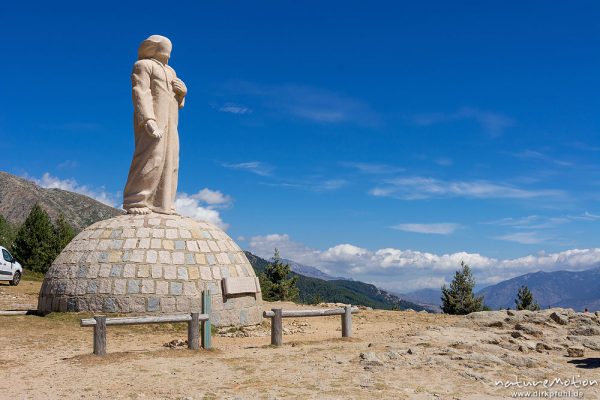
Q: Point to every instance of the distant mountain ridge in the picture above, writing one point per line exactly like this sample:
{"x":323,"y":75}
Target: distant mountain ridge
{"x":311,"y":272}
{"x":569,"y":289}
{"x":18,"y":196}
{"x":430,"y":298}
{"x":340,"y":291}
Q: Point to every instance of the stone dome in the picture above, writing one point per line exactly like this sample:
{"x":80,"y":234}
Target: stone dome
{"x":153,"y":263}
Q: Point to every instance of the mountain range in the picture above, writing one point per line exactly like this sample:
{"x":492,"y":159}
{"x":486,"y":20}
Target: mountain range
{"x":568,"y":289}
{"x":314,"y":290}
{"x":18,"y":196}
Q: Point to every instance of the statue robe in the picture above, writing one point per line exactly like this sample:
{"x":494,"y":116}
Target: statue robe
{"x":152,"y":180}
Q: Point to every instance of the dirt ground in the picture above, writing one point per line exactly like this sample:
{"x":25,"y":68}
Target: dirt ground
{"x":392,"y":355}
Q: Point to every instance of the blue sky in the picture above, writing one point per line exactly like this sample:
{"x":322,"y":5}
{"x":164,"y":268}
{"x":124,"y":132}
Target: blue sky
{"x":384,"y":140}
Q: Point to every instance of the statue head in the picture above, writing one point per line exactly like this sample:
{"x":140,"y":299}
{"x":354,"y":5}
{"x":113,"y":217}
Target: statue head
{"x":157,"y":47}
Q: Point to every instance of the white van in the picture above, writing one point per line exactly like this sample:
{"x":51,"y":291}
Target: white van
{"x":10,"y":269}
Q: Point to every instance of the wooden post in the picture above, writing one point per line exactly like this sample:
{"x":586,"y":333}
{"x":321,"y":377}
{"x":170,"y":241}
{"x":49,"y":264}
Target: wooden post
{"x":100,"y":335}
{"x":206,"y":325}
{"x":277,"y":327}
{"x":193,"y":332}
{"x":347,"y":321}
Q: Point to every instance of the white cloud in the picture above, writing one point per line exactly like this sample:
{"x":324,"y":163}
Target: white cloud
{"x":437,"y":229}
{"x":523,"y":237}
{"x":235,"y":109}
{"x":264,"y":246}
{"x":536,"y":155}
{"x":331,"y":184}
{"x":313,"y":184}
{"x":493,"y":123}
{"x":586,"y":216}
{"x":407,"y":270}
{"x":52,"y":182}
{"x":213,"y":198}
{"x":190,"y":206}
{"x":372,"y":168}
{"x":308,"y":103}
{"x":416,"y":188}
{"x":532,"y":222}
{"x":256,"y":167}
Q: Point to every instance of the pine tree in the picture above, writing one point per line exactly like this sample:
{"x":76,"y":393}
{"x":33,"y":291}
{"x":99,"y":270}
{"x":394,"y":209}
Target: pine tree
{"x":7,"y":233}
{"x":525,"y":300}
{"x":35,"y":244}
{"x":277,"y":285}
{"x":63,"y":234}
{"x":459,"y":299}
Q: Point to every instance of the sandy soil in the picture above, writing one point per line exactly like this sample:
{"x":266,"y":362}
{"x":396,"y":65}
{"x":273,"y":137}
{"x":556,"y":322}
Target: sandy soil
{"x":392,"y":355}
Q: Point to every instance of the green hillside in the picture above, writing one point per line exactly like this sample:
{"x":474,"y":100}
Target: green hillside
{"x":313,"y":290}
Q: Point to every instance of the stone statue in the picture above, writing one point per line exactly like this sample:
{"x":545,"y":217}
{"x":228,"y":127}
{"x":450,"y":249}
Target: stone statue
{"x":157,"y":97}
{"x":129,"y":263}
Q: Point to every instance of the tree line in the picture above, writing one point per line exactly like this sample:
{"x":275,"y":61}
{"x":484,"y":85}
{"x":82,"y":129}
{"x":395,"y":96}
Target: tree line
{"x":37,"y":241}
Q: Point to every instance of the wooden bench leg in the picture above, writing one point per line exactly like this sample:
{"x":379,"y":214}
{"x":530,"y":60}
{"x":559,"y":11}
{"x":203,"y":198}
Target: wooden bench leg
{"x":347,"y":321}
{"x":193,"y":332}
{"x":277,"y":327}
{"x":100,"y":336}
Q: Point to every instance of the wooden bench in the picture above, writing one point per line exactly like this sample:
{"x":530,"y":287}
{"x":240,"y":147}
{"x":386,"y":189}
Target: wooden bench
{"x":277,"y":315}
{"x":100,"y":322}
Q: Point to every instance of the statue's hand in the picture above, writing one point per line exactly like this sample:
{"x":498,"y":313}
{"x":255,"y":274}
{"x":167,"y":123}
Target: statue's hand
{"x":152,"y":129}
{"x":179,"y":87}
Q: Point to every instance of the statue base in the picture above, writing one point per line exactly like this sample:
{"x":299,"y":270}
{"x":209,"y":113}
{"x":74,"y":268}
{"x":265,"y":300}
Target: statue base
{"x":152,"y":263}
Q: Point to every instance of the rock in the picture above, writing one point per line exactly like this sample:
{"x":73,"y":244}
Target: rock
{"x":392,"y":355}
{"x":511,"y":313}
{"x":517,"y":335}
{"x":575,"y":352}
{"x":529,"y":330}
{"x":519,"y":361}
{"x":585,"y":331}
{"x":370,"y":358}
{"x":559,"y":319}
{"x":409,"y":351}
{"x":590,"y":343}
{"x":485,"y":359}
{"x":176,"y":344}
{"x":523,"y":349}
{"x":471,"y":375}
{"x":541,"y":347}
{"x":487,"y":315}
{"x":494,"y":324}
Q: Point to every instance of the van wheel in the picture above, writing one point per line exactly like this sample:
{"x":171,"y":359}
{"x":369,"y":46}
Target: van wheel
{"x":16,"y":279}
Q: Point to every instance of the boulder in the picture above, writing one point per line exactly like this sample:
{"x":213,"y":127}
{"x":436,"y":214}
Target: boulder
{"x":559,"y":318}
{"x":585,"y":331}
{"x":529,"y":330}
{"x":575,"y":352}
